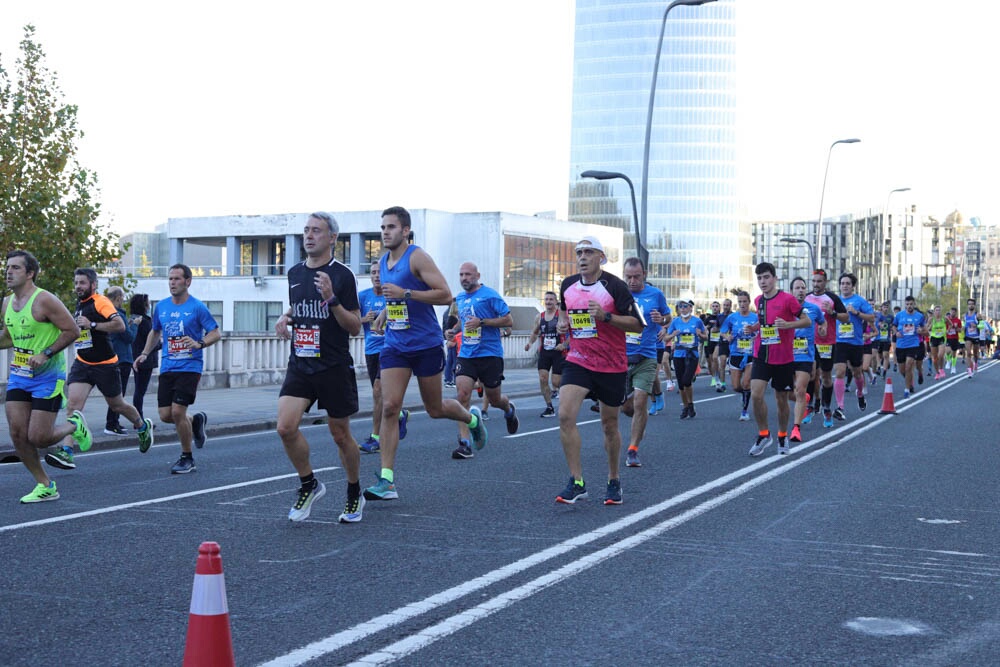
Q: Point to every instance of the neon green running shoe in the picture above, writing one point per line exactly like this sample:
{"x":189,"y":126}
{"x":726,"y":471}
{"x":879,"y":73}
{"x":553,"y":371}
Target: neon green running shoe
{"x":82,"y":434}
{"x":61,"y":457}
{"x":145,"y":436}
{"x":41,"y":494}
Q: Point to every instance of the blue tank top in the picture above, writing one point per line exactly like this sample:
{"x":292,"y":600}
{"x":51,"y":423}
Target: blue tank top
{"x":410,"y":325}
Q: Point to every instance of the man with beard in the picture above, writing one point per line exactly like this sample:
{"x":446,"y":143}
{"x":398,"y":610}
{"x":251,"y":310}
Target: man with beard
{"x":826,"y":344}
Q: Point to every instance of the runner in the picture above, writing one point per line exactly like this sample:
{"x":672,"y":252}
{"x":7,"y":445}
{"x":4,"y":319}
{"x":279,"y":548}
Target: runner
{"x":483,"y":314}
{"x":883,"y":338}
{"x":937,"y":330}
{"x":778,"y":314}
{"x":826,"y":345}
{"x":971,"y":338}
{"x":550,"y":351}
{"x":804,"y":347}
{"x":713,"y":319}
{"x":412,"y":285}
{"x":738,"y":331}
{"x":189,"y":329}
{"x":596,"y":310}
{"x":686,"y":333}
{"x":723,"y":348}
{"x":850,"y":349}
{"x":951,"y":338}
{"x":96,"y":364}
{"x":908,"y":326}
{"x":323,"y":314}
{"x":641,"y":351}
{"x":38,"y":327}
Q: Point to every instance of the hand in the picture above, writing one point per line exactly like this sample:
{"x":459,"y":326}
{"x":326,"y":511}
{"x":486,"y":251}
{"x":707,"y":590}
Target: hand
{"x":83,"y":322}
{"x":281,"y":328}
{"x":323,"y":285}
{"x":138,"y":362}
{"x":391,"y":291}
{"x":596,"y":311}
{"x":369,"y":317}
{"x":473,"y":323}
{"x":656,"y":316}
{"x":527,"y":346}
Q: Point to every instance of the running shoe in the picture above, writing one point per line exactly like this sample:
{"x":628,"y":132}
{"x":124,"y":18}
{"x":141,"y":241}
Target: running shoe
{"x":353,"y":510}
{"x":720,"y":388}
{"x":145,"y":436}
{"x":920,"y":378}
{"x":808,"y":417}
{"x":555,"y":394}
{"x":486,"y":414}
{"x":594,"y":407}
{"x":381,"y":490}
{"x":762,"y":443}
{"x":114,"y":429}
{"x":463,"y":451}
{"x":796,"y":436}
{"x":82,"y":434}
{"x":838,"y":414}
{"x":61,"y":457}
{"x":670,"y":385}
{"x":862,"y":402}
{"x":479,"y":391}
{"x":548,"y":412}
{"x":307,"y":495}
{"x":404,"y":417}
{"x":512,"y":420}
{"x":968,"y":371}
{"x":479,"y":434}
{"x":953,"y":370}
{"x":659,"y":403}
{"x":198,"y":422}
{"x":691,"y":412}
{"x":613,"y":496}
{"x":782,"y":446}
{"x":369,"y":446}
{"x":572,"y":493}
{"x":744,"y":416}
{"x":184,"y":465}
{"x":684,"y":412}
{"x":827,"y":419}
{"x":906,"y":393}
{"x":713,"y":383}
{"x":652,"y":406}
{"x":632,"y":459}
{"x":41,"y":493}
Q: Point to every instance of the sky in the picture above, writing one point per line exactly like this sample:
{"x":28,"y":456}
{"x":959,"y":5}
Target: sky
{"x":214,"y":108}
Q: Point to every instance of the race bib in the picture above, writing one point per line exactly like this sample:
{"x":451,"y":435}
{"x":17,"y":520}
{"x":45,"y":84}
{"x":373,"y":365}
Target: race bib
{"x":825,"y":351}
{"x":687,"y":340}
{"x":908,"y":329}
{"x":769,"y":335}
{"x":19,"y":363}
{"x":582,"y":323}
{"x":305,"y":341}
{"x":176,"y":349}
{"x":632,"y":338}
{"x":744,"y":345}
{"x":472,"y":336}
{"x":549,"y":342}
{"x":800,"y":345}
{"x":84,"y":341}
{"x":972,"y":330}
{"x":713,"y":337}
{"x":845,"y":329}
{"x":397,"y":315}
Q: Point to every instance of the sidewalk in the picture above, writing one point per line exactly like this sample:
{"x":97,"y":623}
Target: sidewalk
{"x":250,"y":409}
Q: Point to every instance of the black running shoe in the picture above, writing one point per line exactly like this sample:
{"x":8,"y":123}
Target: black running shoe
{"x":198,"y":422}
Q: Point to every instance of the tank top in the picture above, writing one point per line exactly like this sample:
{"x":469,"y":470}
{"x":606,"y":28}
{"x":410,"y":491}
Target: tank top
{"x":31,"y":337}
{"x":548,"y":331}
{"x":410,"y":325}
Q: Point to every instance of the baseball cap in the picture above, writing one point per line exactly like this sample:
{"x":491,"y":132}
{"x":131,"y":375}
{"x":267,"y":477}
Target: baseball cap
{"x":684,"y":304}
{"x":595,"y":244}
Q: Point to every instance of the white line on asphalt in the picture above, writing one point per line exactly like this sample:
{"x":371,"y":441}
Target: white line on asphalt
{"x":152,"y":501}
{"x":358,"y":632}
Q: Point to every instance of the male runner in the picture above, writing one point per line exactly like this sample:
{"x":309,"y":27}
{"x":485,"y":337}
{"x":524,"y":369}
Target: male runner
{"x":971,"y":321}
{"x":909,"y":325}
{"x":835,"y":313}
{"x":850,"y":343}
{"x":738,"y":331}
{"x":804,"y":347}
{"x":550,"y":351}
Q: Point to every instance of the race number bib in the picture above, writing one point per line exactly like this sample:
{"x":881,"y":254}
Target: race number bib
{"x":713,"y":337}
{"x":800,"y":345}
{"x":84,"y":341}
{"x":397,"y":315}
{"x":549,"y":342}
{"x":472,"y":336}
{"x":19,"y":363}
{"x":176,"y":349}
{"x":908,"y":329}
{"x":769,"y":335}
{"x":825,"y":351}
{"x":632,"y":338}
{"x":582,"y":323}
{"x":305,"y":341}
{"x":686,"y":340}
{"x":845,"y":329}
{"x":744,"y":345}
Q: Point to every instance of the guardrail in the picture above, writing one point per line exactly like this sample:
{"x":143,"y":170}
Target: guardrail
{"x":249,"y":360}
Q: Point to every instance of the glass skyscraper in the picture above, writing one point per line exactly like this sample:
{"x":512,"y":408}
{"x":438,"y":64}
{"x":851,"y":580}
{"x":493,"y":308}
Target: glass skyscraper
{"x":698,"y":245}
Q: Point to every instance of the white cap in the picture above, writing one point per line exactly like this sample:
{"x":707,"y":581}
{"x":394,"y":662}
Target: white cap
{"x":594,"y":243}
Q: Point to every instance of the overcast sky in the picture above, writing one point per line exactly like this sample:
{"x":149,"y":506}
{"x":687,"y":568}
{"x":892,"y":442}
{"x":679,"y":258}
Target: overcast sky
{"x":210,"y":108}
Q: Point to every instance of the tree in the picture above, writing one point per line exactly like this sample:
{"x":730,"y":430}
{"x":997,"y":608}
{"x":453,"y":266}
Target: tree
{"x":48,"y":202}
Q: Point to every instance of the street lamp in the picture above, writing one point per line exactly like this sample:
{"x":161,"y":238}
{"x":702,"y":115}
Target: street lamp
{"x":822,"y":194}
{"x":884,"y":269}
{"x":790,"y":240}
{"x":640,"y":246}
{"x":649,"y":113}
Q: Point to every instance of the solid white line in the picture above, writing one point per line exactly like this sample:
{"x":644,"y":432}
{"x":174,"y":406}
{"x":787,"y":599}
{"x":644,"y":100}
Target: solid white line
{"x":358,"y":632}
{"x":152,"y":501}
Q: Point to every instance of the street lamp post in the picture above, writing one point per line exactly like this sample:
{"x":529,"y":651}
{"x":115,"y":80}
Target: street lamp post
{"x":885,"y":264}
{"x":640,"y":245}
{"x":789,"y":240}
{"x":822,"y":195}
{"x":649,"y":113}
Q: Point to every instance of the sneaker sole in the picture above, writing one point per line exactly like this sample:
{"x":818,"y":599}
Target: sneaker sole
{"x":390,"y":495}
{"x":582,"y":496}
{"x":183,"y":472}
{"x":59,"y":463}
{"x":31,"y":501}
{"x":611,"y":501}
{"x":461,"y":456}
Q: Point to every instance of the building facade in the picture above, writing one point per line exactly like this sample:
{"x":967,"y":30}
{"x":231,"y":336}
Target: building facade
{"x":697,"y":243}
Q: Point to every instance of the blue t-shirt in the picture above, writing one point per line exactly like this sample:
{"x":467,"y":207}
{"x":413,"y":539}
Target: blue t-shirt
{"x":804,"y":345}
{"x":882,"y":324}
{"x":372,"y":302}
{"x":176,"y":320}
{"x":483,"y":341}
{"x":971,"y":326}
{"x":741,"y":344}
{"x":687,"y":341}
{"x":906,"y":328}
{"x":644,"y":344}
{"x":852,"y":332}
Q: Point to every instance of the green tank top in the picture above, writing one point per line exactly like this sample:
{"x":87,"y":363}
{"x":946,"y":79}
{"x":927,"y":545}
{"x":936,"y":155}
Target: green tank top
{"x":30,"y":337}
{"x":938,"y":328}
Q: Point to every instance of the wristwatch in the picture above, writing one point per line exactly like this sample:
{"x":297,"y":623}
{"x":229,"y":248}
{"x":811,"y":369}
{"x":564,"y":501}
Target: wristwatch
{"x":93,"y":325}
{"x":48,"y":352}
{"x":607,"y":317}
{"x":407,"y":293}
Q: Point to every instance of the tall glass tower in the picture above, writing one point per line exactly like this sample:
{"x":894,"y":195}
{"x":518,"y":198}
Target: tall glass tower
{"x":698,"y":245}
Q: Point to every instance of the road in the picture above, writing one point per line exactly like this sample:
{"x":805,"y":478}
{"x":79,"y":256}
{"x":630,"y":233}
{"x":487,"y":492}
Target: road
{"x":874,"y":543}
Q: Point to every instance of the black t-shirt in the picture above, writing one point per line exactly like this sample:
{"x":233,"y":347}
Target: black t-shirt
{"x":94,"y":346}
{"x":318,"y":340}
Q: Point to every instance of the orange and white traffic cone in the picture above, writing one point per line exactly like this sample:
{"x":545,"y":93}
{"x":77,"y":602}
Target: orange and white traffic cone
{"x":209,"y":641}
{"x":888,"y":403}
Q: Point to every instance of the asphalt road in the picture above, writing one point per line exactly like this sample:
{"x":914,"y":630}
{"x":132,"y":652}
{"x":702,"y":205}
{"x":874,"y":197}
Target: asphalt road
{"x":874,"y":543}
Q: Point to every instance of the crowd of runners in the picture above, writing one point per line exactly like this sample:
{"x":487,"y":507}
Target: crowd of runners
{"x":613,"y":341}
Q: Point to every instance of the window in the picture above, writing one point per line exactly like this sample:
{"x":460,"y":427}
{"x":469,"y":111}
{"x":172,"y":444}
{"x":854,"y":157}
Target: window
{"x":342,"y":250}
{"x":371,"y":251}
{"x":533,"y":266}
{"x":276,"y":257}
{"x":248,"y":249}
{"x":254,"y":316}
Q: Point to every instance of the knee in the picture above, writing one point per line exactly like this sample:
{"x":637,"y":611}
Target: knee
{"x":434,"y":411}
{"x":287,"y":431}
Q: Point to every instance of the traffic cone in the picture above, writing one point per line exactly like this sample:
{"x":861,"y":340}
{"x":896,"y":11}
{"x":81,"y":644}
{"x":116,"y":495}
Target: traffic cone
{"x":888,"y":403}
{"x":209,"y":641}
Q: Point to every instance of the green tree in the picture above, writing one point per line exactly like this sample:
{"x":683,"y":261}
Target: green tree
{"x":48,"y":202}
